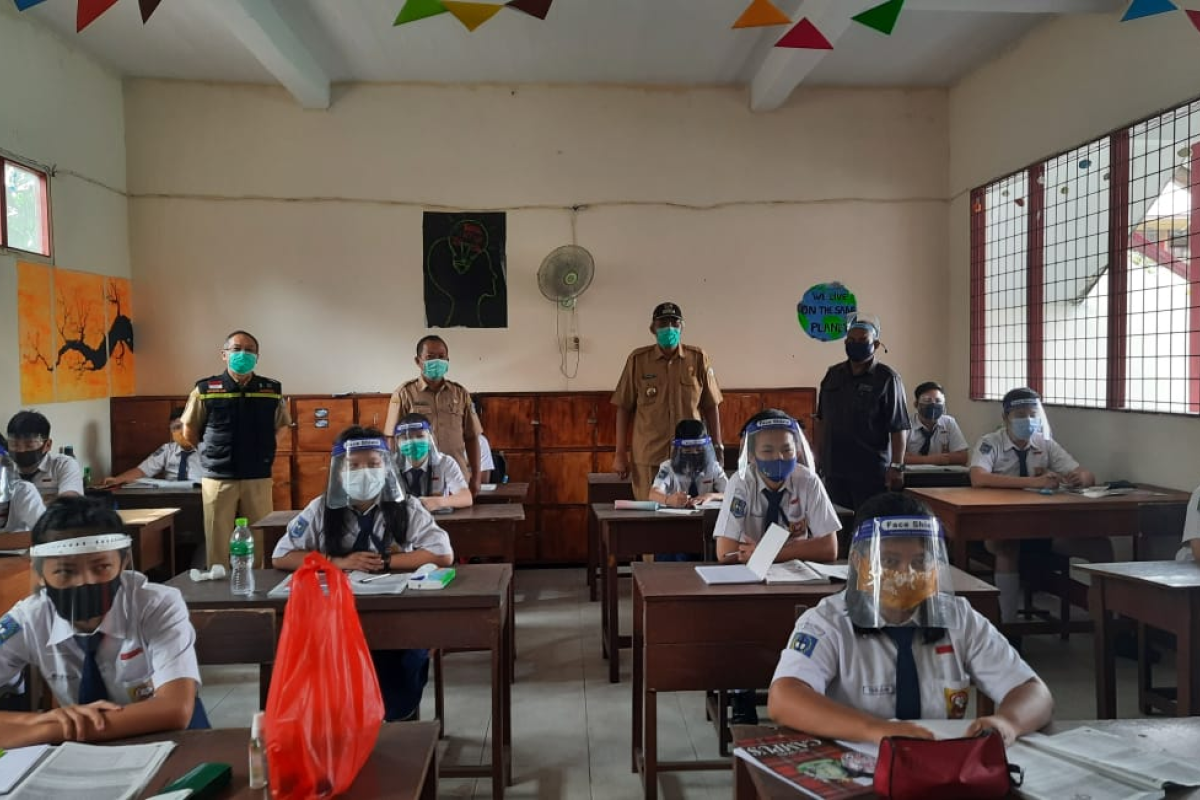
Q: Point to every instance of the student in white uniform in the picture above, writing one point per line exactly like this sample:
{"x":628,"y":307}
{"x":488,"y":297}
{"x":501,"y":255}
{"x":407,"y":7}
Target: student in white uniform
{"x":691,"y":476}
{"x":176,"y":460}
{"x":1191,"y":530}
{"x":898,"y":645}
{"x":1024,"y":455}
{"x":377,"y":528}
{"x":20,"y":503}
{"x":486,"y":462}
{"x":935,"y":437}
{"x":426,"y":473}
{"x":29,"y":445}
{"x":117,"y":650}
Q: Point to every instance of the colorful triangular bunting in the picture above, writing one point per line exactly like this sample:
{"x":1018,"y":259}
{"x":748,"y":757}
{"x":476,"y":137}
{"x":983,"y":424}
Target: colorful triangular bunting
{"x":882,"y":17}
{"x":24,"y":4}
{"x":471,"y":15}
{"x":1148,"y":8}
{"x":762,"y":14}
{"x":1194,"y":16}
{"x":419,"y":9}
{"x":804,"y":36}
{"x":88,"y":11}
{"x":148,"y":7}
{"x":534,"y":8}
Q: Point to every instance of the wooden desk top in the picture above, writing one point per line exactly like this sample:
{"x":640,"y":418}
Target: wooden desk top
{"x":145,"y":516}
{"x":485,"y":512}
{"x":146,"y":491}
{"x":401,"y":762}
{"x":504,"y":491}
{"x":606,"y":513}
{"x":1168,"y":574}
{"x":968,"y":498}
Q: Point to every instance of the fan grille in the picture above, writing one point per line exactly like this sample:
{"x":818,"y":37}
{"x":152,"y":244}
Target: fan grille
{"x":566,"y":273}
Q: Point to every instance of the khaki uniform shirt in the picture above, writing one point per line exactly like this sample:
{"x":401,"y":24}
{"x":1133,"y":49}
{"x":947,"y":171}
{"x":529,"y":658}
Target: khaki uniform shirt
{"x":448,"y":410}
{"x":659,"y":393}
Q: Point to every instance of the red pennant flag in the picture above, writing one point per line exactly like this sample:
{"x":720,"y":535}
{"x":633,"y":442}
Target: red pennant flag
{"x":1194,"y":16}
{"x":534,"y":8}
{"x":88,"y":11}
{"x":148,"y":7}
{"x":804,"y":36}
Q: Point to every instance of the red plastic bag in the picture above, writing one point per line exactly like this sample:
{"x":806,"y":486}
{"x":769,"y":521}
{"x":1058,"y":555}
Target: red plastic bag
{"x":324,"y":709}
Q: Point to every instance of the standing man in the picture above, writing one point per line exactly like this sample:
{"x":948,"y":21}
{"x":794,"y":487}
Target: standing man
{"x":232,"y":419}
{"x":446,"y":404}
{"x":863,"y":422}
{"x":661,"y":385}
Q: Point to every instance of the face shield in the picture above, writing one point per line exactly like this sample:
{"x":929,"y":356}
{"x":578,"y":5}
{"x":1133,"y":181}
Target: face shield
{"x":81,"y":576}
{"x":771,"y":448}
{"x":415,"y":446}
{"x":8,"y":476}
{"x":1025,"y":417}
{"x":899,"y":574}
{"x":361,"y":471}
{"x":691,"y":458}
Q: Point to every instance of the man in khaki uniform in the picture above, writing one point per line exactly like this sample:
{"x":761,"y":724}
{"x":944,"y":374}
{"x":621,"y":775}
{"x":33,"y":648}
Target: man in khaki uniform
{"x":662,"y":384}
{"x":446,"y":404}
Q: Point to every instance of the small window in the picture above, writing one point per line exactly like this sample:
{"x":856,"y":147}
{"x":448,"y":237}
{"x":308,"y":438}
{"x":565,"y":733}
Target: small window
{"x":25,"y":209}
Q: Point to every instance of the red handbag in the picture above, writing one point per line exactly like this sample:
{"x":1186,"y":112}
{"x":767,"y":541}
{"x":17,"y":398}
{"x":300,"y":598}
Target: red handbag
{"x":945,"y":769}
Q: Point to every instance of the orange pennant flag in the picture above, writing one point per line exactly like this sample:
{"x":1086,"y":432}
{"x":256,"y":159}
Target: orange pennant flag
{"x":471,"y":15}
{"x":762,"y":14}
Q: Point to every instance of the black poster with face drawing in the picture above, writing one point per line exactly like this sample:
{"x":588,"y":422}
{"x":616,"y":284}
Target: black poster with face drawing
{"x":466,"y":279}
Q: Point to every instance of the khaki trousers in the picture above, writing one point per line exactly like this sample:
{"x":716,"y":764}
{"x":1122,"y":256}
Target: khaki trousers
{"x":226,"y":500}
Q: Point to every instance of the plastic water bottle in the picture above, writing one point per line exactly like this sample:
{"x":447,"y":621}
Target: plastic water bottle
{"x":258,"y":753}
{"x":241,"y":558}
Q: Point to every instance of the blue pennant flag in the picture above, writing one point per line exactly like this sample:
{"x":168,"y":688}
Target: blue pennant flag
{"x":1148,"y":8}
{"x":24,"y":4}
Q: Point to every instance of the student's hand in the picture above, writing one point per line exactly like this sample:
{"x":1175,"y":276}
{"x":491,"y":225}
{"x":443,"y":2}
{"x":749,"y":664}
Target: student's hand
{"x":364,"y":562}
{"x":901,"y":728}
{"x":1047,"y":480}
{"x":998,"y":724}
{"x":620,"y":465}
{"x":745,"y":550}
{"x":109,"y":482}
{"x":431,"y":503}
{"x":78,"y":723}
{"x":701,"y":499}
{"x":677,"y":500}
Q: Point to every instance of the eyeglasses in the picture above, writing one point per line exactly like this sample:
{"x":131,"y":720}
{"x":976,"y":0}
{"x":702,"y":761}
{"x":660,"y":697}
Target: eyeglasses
{"x":237,"y":348}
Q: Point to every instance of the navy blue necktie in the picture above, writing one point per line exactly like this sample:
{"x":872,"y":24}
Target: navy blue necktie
{"x":908,"y":686}
{"x":366,"y":533}
{"x":414,"y":482}
{"x":1023,"y":457}
{"x":928,"y":434}
{"x":693,"y":489}
{"x":774,"y":508}
{"x":184,"y":455}
{"x":91,"y":682}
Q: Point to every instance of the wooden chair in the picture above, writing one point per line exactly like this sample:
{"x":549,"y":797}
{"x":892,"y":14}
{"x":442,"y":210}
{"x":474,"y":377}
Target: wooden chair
{"x":244,"y":636}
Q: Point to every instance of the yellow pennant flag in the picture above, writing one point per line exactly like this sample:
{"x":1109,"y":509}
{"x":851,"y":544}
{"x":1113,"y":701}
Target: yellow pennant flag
{"x":471,"y":15}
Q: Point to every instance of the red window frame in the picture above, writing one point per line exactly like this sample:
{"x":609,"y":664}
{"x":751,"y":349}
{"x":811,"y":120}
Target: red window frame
{"x":44,"y":179}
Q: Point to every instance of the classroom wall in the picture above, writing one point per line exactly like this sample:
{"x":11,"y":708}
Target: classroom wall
{"x":1065,"y":83}
{"x":305,"y":227}
{"x":60,"y":107}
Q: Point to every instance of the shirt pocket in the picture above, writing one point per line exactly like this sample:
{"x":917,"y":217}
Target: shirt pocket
{"x":648,"y":391}
{"x":135,"y":675}
{"x":689,"y":391}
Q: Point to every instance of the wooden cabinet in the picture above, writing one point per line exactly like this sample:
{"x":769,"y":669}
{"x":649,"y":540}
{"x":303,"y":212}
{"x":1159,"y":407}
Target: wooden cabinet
{"x":566,"y":421}
{"x":319,"y":421}
{"x":559,"y":477}
{"x":559,"y":540}
{"x":310,"y":477}
{"x":281,"y":482}
{"x":509,"y":421}
{"x":144,"y":424}
{"x":371,"y":412}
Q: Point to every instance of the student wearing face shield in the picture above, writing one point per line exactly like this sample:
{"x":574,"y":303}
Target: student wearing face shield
{"x":692,"y":475}
{"x":898,"y":645}
{"x":365,"y":521}
{"x":20,"y":503}
{"x":30,"y":447}
{"x":426,"y":473}
{"x":935,"y":437}
{"x":117,"y":650}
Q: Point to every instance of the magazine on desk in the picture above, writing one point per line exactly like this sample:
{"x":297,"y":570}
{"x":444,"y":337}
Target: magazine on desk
{"x":97,"y":772}
{"x":817,"y":767}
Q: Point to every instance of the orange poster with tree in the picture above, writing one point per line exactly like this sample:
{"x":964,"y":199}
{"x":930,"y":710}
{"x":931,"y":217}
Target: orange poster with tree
{"x":35,"y":333}
{"x":81,"y":349}
{"x":118,"y":300}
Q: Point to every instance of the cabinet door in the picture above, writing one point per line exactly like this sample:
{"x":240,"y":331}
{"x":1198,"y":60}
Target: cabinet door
{"x":310,"y":476}
{"x":800,"y":403}
{"x":319,"y":421}
{"x":606,"y":421}
{"x":508,"y":421}
{"x":736,"y":408}
{"x":566,"y":421}
{"x":527,"y":537}
{"x":371,"y":412}
{"x":522,"y":468}
{"x":281,"y":483}
{"x":285,"y":437}
{"x":138,"y":427}
{"x":563,"y":477}
{"x":563,"y":536}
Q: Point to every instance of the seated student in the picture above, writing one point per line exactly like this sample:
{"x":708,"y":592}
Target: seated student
{"x":176,"y":460}
{"x":435,"y":478}
{"x":935,"y":437}
{"x":29,"y":445}
{"x":377,"y":528}
{"x":692,"y":475}
{"x":1191,"y":530}
{"x":898,"y":645}
{"x":20,"y":503}
{"x":117,"y":650}
{"x":1023,"y":454}
{"x":486,"y":462}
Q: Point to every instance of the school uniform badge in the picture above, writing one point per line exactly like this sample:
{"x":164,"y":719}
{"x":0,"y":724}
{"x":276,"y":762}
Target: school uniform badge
{"x":298,"y":527}
{"x":803,"y":643}
{"x":985,"y":448}
{"x":738,"y":507}
{"x":9,"y":627}
{"x":956,"y":703}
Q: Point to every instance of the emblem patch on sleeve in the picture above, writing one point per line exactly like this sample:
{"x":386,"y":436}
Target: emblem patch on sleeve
{"x":738,"y":507}
{"x":9,"y":627}
{"x":803,"y":643}
{"x":663,"y":472}
{"x":985,"y":448}
{"x":298,"y":527}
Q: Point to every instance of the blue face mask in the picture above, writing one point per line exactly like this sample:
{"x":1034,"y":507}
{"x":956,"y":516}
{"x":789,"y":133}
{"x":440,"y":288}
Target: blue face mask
{"x":776,"y":469}
{"x":435,"y":368}
{"x":859,"y":351}
{"x":668,"y":338}
{"x":1025,"y":428}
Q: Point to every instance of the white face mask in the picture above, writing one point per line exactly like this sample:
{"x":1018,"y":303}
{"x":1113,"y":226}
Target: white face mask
{"x":364,"y":484}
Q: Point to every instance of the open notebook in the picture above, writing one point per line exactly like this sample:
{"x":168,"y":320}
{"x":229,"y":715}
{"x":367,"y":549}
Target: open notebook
{"x":754,"y":570}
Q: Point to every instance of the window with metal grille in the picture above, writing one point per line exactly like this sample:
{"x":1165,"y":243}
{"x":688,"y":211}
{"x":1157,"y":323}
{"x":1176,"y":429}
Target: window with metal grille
{"x":1085,"y":273}
{"x":24,"y":208}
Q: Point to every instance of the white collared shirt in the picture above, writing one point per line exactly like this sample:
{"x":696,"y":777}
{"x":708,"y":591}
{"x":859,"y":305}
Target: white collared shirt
{"x":996,"y":453}
{"x":445,"y":476}
{"x":947,"y":436}
{"x":806,"y":506}
{"x":1191,"y":527}
{"x":164,"y":463}
{"x":22,"y":509}
{"x":307,"y":530}
{"x":57,"y":474}
{"x":148,"y":642}
{"x":486,"y":461}
{"x":668,"y":482}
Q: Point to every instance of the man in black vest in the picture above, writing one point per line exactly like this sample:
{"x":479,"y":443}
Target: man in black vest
{"x":232,"y":419}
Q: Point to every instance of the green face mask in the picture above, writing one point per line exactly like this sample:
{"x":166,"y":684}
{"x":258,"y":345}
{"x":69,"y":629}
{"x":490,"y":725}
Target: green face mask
{"x":668,"y":338}
{"x":415,"y":450}
{"x":242,"y":361}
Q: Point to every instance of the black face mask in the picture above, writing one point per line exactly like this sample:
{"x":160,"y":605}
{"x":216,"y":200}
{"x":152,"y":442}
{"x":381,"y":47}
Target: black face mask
{"x":932,"y":411}
{"x":689,"y":463}
{"x":27,"y":460}
{"x":77,"y":603}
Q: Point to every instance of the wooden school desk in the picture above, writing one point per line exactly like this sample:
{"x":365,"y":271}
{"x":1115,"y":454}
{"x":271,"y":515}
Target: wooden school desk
{"x":473,"y":613}
{"x":688,"y":635}
{"x":1178,"y":737}
{"x":504,"y":493}
{"x":188,"y":523}
{"x":15,"y":580}
{"x":927,"y":476}
{"x":152,"y":531}
{"x":604,"y":488}
{"x":1163,"y":595}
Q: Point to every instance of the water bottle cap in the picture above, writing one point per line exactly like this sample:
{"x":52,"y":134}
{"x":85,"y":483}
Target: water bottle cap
{"x":241,"y":522}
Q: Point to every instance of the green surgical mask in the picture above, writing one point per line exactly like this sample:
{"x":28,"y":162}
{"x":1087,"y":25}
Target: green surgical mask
{"x":435,"y":368}
{"x":415,"y":450}
{"x":668,"y":338}
{"x":242,"y":361}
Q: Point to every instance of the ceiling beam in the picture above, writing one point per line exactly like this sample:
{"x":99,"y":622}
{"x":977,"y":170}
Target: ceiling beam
{"x":265,"y":31}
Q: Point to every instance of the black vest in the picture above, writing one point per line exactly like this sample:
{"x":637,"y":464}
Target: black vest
{"x":239,"y":429}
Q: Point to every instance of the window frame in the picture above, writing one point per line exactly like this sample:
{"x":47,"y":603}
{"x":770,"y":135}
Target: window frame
{"x":43,"y":175}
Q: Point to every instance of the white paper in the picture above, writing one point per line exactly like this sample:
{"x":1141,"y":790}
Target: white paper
{"x":839,"y":572}
{"x":18,"y":761}
{"x":794,"y":571}
{"x":159,"y":483}
{"x":381,"y":583}
{"x":1048,"y":777}
{"x":711,"y":505}
{"x":487,"y":487}
{"x":682,"y":512}
{"x":97,"y":772}
{"x":940,"y":728}
{"x":1115,"y":756}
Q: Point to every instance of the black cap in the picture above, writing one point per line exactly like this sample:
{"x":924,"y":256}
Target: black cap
{"x":666,"y":310}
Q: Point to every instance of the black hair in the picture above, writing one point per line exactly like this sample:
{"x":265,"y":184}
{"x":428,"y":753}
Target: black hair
{"x":3,"y":442}
{"x":1022,"y":393}
{"x":395,"y":515}
{"x":690,"y":429}
{"x":29,"y":423}
{"x":430,"y":338}
{"x":926,"y":387}
{"x":413,"y":417}
{"x":247,"y":334}
{"x":176,"y":413}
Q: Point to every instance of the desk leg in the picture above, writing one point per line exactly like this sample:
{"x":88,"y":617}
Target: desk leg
{"x":743,"y":786}
{"x":499,"y":776}
{"x":1187,"y":660}
{"x":612,"y":623}
{"x":169,"y":549}
{"x":429,"y":789}
{"x":650,"y":750}
{"x":638,"y":676}
{"x":593,"y":554}
{"x":512,"y":631}
{"x":602,"y":578}
{"x":1102,"y":638}
{"x":958,"y":553}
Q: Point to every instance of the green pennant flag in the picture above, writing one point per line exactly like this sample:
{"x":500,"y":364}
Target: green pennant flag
{"x":419,"y":9}
{"x":883,"y":17}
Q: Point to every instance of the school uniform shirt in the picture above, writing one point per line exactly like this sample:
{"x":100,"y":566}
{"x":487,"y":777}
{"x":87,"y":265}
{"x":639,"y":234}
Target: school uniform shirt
{"x":164,"y":463}
{"x":1191,"y":527}
{"x":148,"y":642}
{"x":444,"y":477}
{"x":711,"y":480}
{"x":449,"y":411}
{"x":805,"y":506}
{"x":486,"y":461}
{"x":946,"y":436}
{"x":859,"y":670}
{"x":996,"y":453}
{"x":56,"y":474}
{"x":22,"y":509}
{"x":307,"y":531}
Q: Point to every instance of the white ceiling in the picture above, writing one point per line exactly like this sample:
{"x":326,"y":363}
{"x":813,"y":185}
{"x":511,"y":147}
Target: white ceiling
{"x":675,"y":42}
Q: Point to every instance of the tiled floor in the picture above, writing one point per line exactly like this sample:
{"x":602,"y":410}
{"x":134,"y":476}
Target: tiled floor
{"x":571,"y":727}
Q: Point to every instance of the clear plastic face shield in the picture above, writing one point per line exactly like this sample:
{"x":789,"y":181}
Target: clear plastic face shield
{"x":692,"y":457}
{"x":8,"y":476}
{"x":415,"y":446}
{"x":899,"y":574}
{"x":81,"y":576}
{"x":1025,"y":417}
{"x":771,"y":449}
{"x":361,"y":471}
